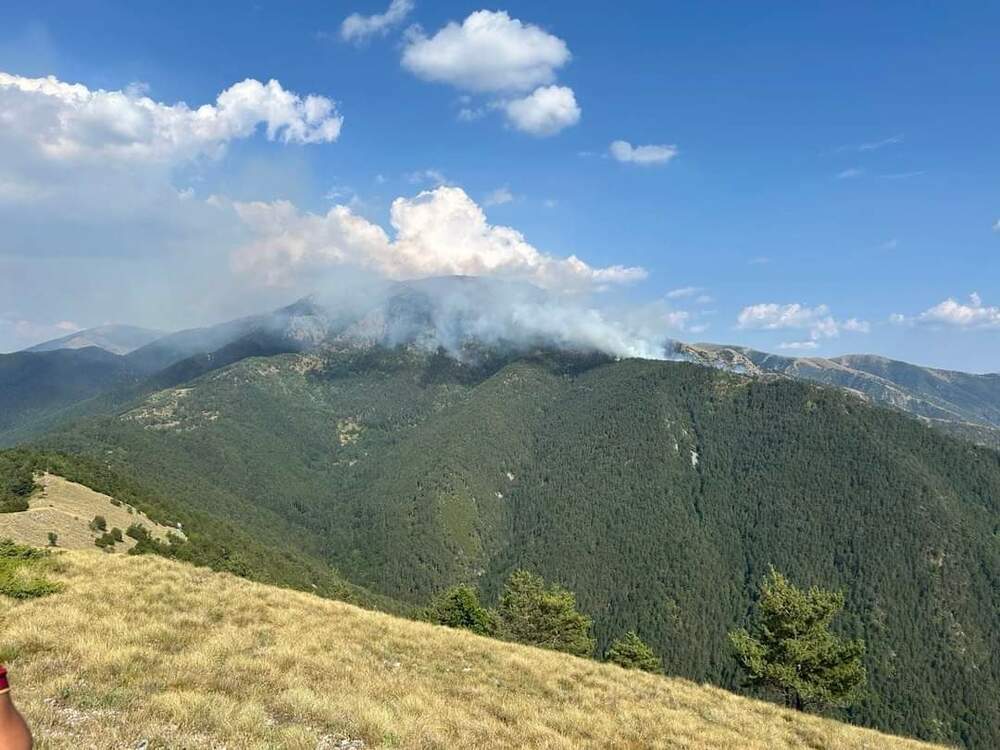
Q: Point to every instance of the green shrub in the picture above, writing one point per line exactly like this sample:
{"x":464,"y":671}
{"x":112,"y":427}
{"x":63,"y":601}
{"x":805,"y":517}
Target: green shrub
{"x":53,"y":539}
{"x":459,"y":607}
{"x":631,"y":652}
{"x":116,"y":534}
{"x":99,"y":524}
{"x":21,"y":571}
{"x":546,"y":616}
{"x":106,"y":541}
{"x":137,"y":531}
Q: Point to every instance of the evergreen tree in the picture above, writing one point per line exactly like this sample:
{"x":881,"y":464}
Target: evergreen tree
{"x":631,"y":652}
{"x":546,"y":616}
{"x":795,"y":653}
{"x":459,"y":607}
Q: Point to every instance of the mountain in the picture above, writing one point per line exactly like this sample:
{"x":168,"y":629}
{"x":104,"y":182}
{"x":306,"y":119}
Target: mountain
{"x":660,"y":492}
{"x":140,"y":651}
{"x":34,"y":384}
{"x":117,"y":339}
{"x":959,"y":403}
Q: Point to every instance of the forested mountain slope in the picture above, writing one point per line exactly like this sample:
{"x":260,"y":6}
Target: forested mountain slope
{"x":659,"y":492}
{"x":34,"y":384}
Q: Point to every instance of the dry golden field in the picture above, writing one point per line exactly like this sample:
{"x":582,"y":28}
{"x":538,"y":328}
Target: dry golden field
{"x":144,"y":652}
{"x":67,"y":508}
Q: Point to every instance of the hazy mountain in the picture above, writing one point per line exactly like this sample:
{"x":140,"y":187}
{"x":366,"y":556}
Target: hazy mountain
{"x":117,"y":339}
{"x":659,"y":491}
{"x":960,"y":403}
{"x":34,"y":384}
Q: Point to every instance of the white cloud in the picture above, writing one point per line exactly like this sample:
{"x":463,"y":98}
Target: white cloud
{"x":798,"y":345}
{"x":857,"y":326}
{"x":996,"y":225}
{"x":760,"y":260}
{"x":488,"y":52}
{"x":954,"y":314}
{"x":439,"y":232}
{"x":684,"y":291}
{"x":63,"y":122}
{"x":498,"y":197}
{"x":873,"y":145}
{"x":817,"y":321}
{"x":625,"y":152}
{"x":357,"y":28}
{"x":433,"y":177}
{"x":546,"y":111}
{"x":890,"y":244}
{"x":850,"y":173}
{"x":27,"y":332}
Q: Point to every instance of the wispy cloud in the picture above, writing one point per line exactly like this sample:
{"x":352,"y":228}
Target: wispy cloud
{"x":872,"y":145}
{"x":850,"y":173}
{"x":817,"y":321}
{"x":902,"y":175}
{"x":648,"y":155}
{"x":498,"y":197}
{"x":357,"y":28}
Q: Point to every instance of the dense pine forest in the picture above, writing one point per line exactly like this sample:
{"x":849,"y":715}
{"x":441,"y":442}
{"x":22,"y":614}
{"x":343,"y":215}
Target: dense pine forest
{"x":660,"y":493}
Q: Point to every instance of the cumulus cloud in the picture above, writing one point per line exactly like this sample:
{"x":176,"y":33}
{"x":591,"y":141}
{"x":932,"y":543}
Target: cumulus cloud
{"x":954,"y":314}
{"x":626,"y":153}
{"x":438,"y":232}
{"x":816,"y":321}
{"x":63,"y":121}
{"x":546,"y":111}
{"x":488,"y":52}
{"x":492,"y":53}
{"x":358,"y":28}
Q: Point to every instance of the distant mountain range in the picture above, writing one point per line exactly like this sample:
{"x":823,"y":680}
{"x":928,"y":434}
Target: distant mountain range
{"x":450,"y":312}
{"x":117,"y":339}
{"x":959,"y":403}
{"x":425,"y":435}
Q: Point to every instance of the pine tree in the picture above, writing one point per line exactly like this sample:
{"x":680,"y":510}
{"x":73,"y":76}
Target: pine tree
{"x":795,"y":653}
{"x":631,"y":652}
{"x":459,"y":607}
{"x":546,"y":616}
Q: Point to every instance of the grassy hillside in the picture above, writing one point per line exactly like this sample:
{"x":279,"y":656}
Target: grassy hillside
{"x":136,"y":649}
{"x":67,"y":509}
{"x":659,"y":492}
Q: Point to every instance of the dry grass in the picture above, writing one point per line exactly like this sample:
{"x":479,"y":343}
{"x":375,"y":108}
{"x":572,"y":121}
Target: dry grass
{"x":67,"y":508}
{"x":143,"y":648}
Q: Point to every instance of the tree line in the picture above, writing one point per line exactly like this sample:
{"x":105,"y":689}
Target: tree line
{"x":789,"y":651}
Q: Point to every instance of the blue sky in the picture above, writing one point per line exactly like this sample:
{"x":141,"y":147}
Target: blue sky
{"x":819,"y":178}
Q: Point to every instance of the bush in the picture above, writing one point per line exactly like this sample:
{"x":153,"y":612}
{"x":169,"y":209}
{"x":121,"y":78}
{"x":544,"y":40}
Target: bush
{"x":105,"y":541}
{"x":99,"y":523}
{"x":116,"y":534}
{"x":53,"y":539}
{"x":631,"y":652}
{"x":21,"y":571}
{"x":459,"y":607}
{"x":137,"y":531}
{"x":546,"y":616}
